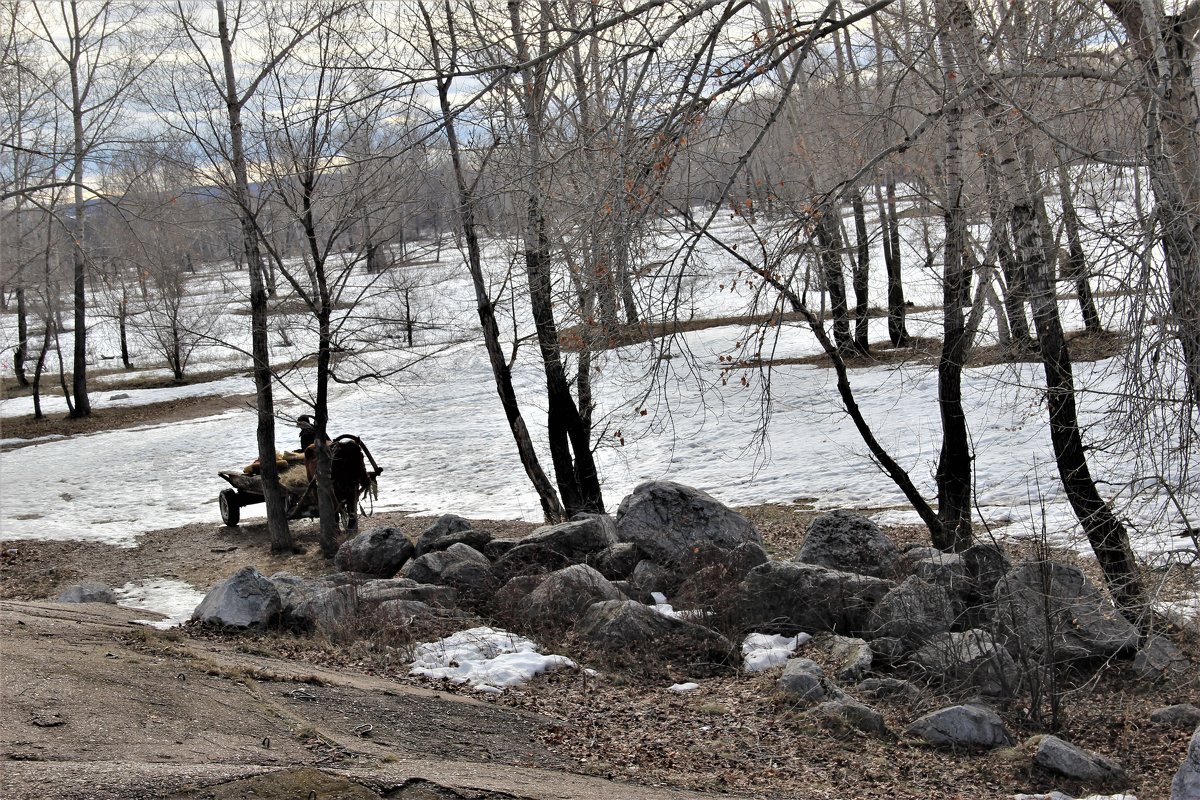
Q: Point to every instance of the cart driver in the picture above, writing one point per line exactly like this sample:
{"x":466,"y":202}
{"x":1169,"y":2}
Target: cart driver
{"x":308,"y":432}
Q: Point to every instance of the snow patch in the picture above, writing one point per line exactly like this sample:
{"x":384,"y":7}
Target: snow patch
{"x":488,"y":659}
{"x":175,"y":600}
{"x":762,"y":651}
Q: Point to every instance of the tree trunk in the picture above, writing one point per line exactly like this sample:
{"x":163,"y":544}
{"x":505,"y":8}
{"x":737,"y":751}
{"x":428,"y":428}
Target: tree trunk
{"x":1167,"y":49}
{"x":122,"y":325}
{"x":829,"y":240}
{"x":277,"y":523}
{"x":861,"y":276}
{"x":890,"y":222}
{"x":551,"y":507}
{"x":22,"y":338}
{"x":1076,"y":265}
{"x":83,"y":406}
{"x":954,"y":463}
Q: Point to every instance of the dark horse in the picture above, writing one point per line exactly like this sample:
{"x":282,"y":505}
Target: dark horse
{"x":351,"y":478}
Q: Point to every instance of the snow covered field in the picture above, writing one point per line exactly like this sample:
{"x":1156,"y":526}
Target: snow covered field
{"x":439,"y":433}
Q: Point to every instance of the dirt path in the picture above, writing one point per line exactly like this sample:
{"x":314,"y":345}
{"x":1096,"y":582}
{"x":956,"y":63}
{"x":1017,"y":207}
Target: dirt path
{"x":96,"y":707}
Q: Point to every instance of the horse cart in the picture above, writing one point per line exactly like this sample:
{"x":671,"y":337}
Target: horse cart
{"x":353,"y":483}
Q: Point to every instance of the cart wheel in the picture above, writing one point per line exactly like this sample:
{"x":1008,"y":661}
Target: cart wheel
{"x":231,"y":512}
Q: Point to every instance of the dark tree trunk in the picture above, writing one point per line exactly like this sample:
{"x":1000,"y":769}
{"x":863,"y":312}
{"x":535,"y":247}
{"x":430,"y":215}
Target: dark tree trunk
{"x":83,"y":406}
{"x":861,"y":278}
{"x":890,"y":225}
{"x":1076,"y":266}
{"x":829,"y":240}
{"x":277,"y":523}
{"x":22,"y":338}
{"x":123,"y":319}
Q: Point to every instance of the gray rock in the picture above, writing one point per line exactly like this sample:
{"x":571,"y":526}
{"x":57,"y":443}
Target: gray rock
{"x":651,"y":577}
{"x":246,"y":599}
{"x":446,"y":523}
{"x":380,"y":552}
{"x":404,"y":611}
{"x":913,"y":611}
{"x":477,"y":540}
{"x":556,"y":546}
{"x":849,"y":542}
{"x":1073,"y":616}
{"x":986,"y":565}
{"x":910,"y":555}
{"x":1186,"y":784}
{"x":889,"y":649}
{"x":625,"y":630}
{"x":1160,"y":660}
{"x":1181,"y":715}
{"x":669,"y":520}
{"x":323,"y":608}
{"x":948,"y":570}
{"x":616,"y":562}
{"x":969,"y":659}
{"x":788,"y":597}
{"x":560,"y":599}
{"x":889,"y":689}
{"x":634,"y":592}
{"x":87,"y":593}
{"x":803,"y":679}
{"x":1064,"y":758}
{"x":506,"y":601}
{"x":844,"y":714}
{"x":853,"y":657}
{"x":962,"y":726}
{"x":433,"y":567}
{"x":498,"y":547}
{"x":382,"y":591}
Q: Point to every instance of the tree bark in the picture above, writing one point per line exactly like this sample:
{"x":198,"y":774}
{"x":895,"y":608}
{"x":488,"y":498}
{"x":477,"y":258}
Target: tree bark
{"x":829,"y":240}
{"x":861,"y":275}
{"x":83,"y":406}
{"x":22,"y":338}
{"x":1076,"y":264}
{"x":277,"y":523}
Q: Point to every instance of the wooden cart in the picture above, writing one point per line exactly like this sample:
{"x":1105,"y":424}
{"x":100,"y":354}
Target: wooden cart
{"x":353,"y":482}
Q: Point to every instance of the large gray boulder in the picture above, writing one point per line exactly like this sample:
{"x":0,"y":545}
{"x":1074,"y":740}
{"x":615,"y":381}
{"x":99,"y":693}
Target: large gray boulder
{"x":379,"y":551}
{"x":616,"y":562}
{"x":386,"y":590}
{"x":986,"y":565}
{"x":556,"y":546}
{"x":851,"y":656}
{"x":846,"y":714}
{"x":669,"y":521}
{"x":629,"y":631}
{"x":948,"y":570}
{"x":962,"y":726}
{"x":849,"y":542}
{"x":1160,"y":660}
{"x":327,"y":608}
{"x":87,"y":593}
{"x":560,"y":599}
{"x":969,"y":659}
{"x":1064,"y":758}
{"x":442,"y":526}
{"x":1039,"y":602}
{"x":477,"y":540}
{"x":913,"y":611}
{"x":246,"y":599}
{"x":1180,"y":715}
{"x":1186,"y":784}
{"x":436,"y":566}
{"x":803,"y":679}
{"x":788,"y":597}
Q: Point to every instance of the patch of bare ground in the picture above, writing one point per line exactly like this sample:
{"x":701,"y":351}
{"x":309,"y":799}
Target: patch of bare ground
{"x":118,"y":417}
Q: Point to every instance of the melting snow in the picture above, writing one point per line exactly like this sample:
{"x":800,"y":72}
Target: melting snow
{"x":174,"y":599}
{"x":489,"y":659}
{"x":761,"y":651}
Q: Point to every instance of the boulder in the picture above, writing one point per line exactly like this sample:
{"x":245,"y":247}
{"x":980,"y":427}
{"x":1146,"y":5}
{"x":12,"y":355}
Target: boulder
{"x":789,"y":597}
{"x":477,"y":540}
{"x":616,"y":562}
{"x":852,"y":656}
{"x":508,"y":598}
{"x":913,"y":611}
{"x":433,"y":567}
{"x":87,"y":593}
{"x":383,"y":591}
{"x":405,"y":611}
{"x":1181,"y":715}
{"x":969,"y":659}
{"x":1038,"y":602}
{"x":849,"y":542}
{"x":626,"y":630}
{"x":1160,"y":660}
{"x":246,"y":599}
{"x":986,"y":565}
{"x":910,"y":555}
{"x":498,"y":547}
{"x":379,"y":551}
{"x":445,"y":524}
{"x":669,"y":521}
{"x":651,"y":577}
{"x":1186,"y":784}
{"x":888,"y":649}
{"x":712,"y":574}
{"x":948,"y":570}
{"x":556,"y":546}
{"x":323,"y":608}
{"x":803,"y":679}
{"x":1064,"y":758}
{"x":962,"y":726}
{"x":843,"y":715}
{"x":560,"y":599}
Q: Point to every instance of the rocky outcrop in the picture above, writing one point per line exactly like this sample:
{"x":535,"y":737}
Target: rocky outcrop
{"x":1045,"y":604}
{"x":669,"y":521}
{"x":380,"y":552}
{"x":789,"y":597}
{"x":849,"y":542}
{"x":962,"y":726}
{"x":246,"y":599}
